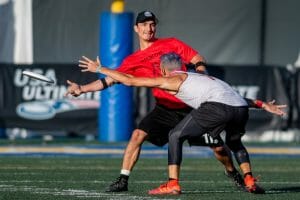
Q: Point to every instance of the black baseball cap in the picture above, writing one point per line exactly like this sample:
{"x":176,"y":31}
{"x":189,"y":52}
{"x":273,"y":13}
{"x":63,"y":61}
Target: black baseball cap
{"x":145,"y":16}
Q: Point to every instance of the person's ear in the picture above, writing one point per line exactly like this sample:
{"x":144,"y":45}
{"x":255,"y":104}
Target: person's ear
{"x":135,"y":28}
{"x":163,"y":71}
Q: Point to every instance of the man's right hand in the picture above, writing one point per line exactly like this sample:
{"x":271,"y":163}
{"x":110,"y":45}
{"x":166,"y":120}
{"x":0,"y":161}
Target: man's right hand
{"x":89,"y":65}
{"x":73,"y":89}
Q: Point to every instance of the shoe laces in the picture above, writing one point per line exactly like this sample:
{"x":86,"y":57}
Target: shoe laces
{"x":165,"y":185}
{"x":119,"y":181}
{"x":250,"y":181}
{"x":168,"y":184}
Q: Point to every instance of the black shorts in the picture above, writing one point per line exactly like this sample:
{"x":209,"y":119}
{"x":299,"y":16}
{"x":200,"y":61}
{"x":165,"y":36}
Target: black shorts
{"x":213,"y":118}
{"x":161,"y":120}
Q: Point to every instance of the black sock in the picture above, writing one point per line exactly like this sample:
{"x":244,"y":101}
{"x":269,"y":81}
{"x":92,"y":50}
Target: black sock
{"x":123,"y":176}
{"x":171,"y":179}
{"x":248,"y":173}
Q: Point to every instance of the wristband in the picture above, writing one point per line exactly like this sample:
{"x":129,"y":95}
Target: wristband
{"x":104,"y":83}
{"x":259,"y":103}
{"x":200,"y":63}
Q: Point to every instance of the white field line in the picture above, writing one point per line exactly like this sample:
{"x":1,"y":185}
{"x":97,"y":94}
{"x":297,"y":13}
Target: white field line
{"x":71,"y":192}
{"x":146,"y":182}
{"x":112,"y":196}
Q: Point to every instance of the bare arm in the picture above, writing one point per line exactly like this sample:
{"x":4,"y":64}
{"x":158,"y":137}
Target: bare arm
{"x":270,"y":106}
{"x":89,"y":65}
{"x":166,"y":83}
{"x":76,"y":90}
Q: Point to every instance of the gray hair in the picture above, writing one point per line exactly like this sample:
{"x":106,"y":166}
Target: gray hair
{"x":171,"y":61}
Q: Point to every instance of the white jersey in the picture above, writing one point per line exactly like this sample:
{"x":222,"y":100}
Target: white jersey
{"x":199,"y":88}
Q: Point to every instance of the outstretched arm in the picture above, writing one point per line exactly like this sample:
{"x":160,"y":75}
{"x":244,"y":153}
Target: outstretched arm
{"x":270,"y":106}
{"x":170,"y":83}
{"x":166,"y":83}
{"x":76,"y":90}
{"x":88,"y":65}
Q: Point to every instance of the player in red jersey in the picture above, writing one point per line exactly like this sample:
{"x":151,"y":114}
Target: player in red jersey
{"x":168,"y":111}
{"x":146,"y":63}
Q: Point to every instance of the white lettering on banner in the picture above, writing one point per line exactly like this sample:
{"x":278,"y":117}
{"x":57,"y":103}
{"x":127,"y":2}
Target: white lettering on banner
{"x":20,"y":80}
{"x":49,"y":92}
{"x":33,"y":89}
{"x":43,"y":101}
{"x":250,"y":91}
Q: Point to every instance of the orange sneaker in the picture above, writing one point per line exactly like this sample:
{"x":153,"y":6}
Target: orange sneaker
{"x":251,"y":186}
{"x":172,"y":187}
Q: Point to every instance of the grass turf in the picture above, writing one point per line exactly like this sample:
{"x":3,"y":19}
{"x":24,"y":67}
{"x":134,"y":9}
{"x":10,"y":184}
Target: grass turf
{"x":87,"y":177}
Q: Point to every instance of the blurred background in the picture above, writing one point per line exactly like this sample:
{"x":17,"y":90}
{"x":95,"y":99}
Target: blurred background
{"x":254,"y":45}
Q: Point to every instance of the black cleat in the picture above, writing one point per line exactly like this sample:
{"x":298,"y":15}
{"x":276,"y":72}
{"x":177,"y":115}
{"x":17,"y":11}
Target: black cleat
{"x":236,"y":177}
{"x":119,"y":185}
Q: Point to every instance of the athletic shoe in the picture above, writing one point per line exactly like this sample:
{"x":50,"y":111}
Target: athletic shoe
{"x":251,"y":186}
{"x":236,"y":177}
{"x":171,"y":187}
{"x":119,"y":185}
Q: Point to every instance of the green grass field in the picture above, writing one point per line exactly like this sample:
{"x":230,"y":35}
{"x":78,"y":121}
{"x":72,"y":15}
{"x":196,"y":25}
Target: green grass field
{"x":86,"y":178}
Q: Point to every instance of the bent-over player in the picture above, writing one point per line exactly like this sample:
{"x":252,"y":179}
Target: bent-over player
{"x":216,"y":107}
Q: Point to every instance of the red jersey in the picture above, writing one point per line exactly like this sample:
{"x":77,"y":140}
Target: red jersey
{"x":146,"y":63}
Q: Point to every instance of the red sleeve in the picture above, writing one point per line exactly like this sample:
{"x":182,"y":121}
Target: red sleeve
{"x":133,"y":68}
{"x":125,"y":66}
{"x":185,"y":51}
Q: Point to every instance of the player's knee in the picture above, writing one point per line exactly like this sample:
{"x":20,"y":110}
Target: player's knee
{"x":234,"y":143}
{"x":221,"y":150}
{"x":138,"y":136}
{"x":174,"y":135}
{"x":235,"y":146}
{"x":217,"y":148}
